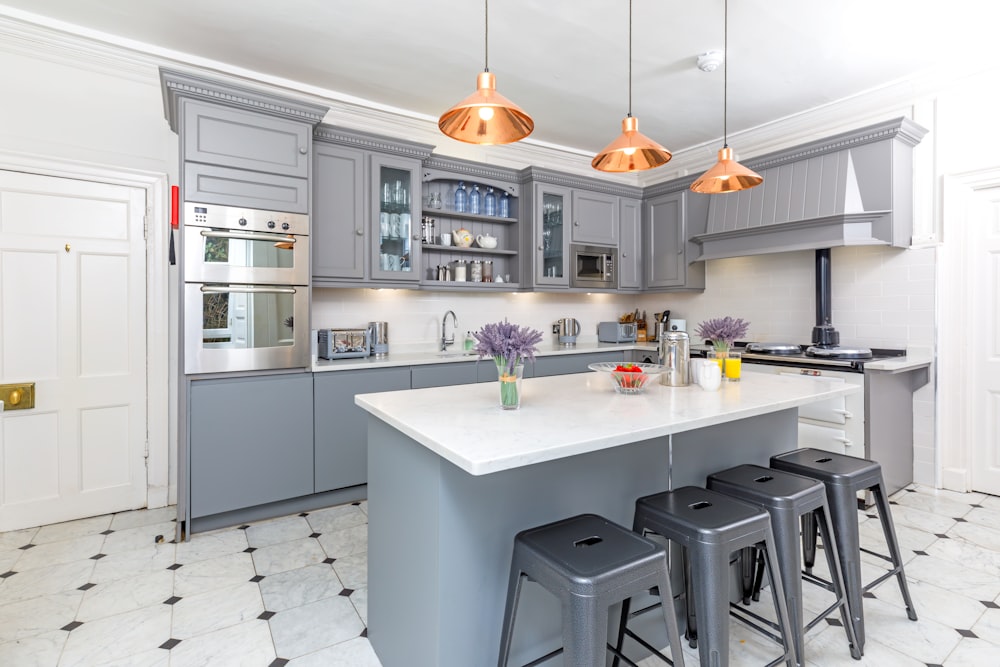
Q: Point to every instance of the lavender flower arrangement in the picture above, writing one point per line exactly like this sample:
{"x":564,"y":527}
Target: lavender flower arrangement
{"x":509,"y":345}
{"x":722,"y":331}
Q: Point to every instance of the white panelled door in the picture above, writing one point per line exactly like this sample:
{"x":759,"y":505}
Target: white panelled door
{"x":73,"y":321}
{"x":984,"y":338}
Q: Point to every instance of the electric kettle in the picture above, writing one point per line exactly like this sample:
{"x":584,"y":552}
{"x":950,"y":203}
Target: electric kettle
{"x":568,"y":329}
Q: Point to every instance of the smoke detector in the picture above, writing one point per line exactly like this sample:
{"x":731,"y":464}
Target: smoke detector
{"x":710,"y":60}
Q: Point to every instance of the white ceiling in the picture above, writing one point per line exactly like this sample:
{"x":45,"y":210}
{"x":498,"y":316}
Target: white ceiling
{"x":564,"y":61}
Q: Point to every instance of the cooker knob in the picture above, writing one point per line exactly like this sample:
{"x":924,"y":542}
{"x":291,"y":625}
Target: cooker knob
{"x":242,"y":222}
{"x":285,"y":226}
{"x":270,"y":224}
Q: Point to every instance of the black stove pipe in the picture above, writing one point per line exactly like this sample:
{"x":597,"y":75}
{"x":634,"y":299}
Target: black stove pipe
{"x":824,"y":335}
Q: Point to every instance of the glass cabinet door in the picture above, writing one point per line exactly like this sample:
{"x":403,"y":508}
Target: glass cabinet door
{"x":396,"y":253}
{"x":551,"y":243}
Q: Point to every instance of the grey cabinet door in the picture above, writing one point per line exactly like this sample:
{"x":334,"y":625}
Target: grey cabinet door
{"x":341,"y":427}
{"x":443,"y":375}
{"x":595,"y":218}
{"x":574,"y":363}
{"x":250,"y":441}
{"x":395,"y":200}
{"x":215,"y":134}
{"x":551,"y":217}
{"x":665,"y":241}
{"x":211,"y":184}
{"x":630,"y":245}
{"x":339,"y":216}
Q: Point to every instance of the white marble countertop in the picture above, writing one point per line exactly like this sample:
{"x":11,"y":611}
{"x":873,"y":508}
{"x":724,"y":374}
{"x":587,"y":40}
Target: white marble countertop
{"x":913,"y":359}
{"x":566,"y":415}
{"x":417,"y":357}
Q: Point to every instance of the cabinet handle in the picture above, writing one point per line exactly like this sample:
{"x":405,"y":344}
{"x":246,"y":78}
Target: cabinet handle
{"x":359,"y":232}
{"x":303,"y":150}
{"x":624,"y":254}
{"x":416,"y":237}
{"x":576,"y":223}
{"x":541,"y":248}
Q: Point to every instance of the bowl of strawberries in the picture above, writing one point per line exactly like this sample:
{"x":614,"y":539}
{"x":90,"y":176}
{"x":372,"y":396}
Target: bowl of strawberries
{"x":628,"y":378}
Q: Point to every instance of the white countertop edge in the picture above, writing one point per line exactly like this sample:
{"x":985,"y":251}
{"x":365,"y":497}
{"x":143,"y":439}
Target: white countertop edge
{"x":912,"y":360}
{"x":480,"y":438}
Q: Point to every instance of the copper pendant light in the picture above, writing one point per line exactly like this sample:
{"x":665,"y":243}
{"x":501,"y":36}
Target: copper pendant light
{"x":727,"y":175}
{"x":486,"y":117}
{"x":631,"y":150}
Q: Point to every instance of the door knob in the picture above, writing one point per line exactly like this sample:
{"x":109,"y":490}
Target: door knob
{"x":14,"y":397}
{"x":18,"y":396}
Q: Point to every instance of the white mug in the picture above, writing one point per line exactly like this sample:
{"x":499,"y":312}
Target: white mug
{"x":383,"y":224}
{"x":446,"y":239}
{"x":710,"y":375}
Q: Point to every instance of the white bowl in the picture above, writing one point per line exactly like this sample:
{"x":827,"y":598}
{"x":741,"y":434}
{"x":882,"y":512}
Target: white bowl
{"x":628,"y":382}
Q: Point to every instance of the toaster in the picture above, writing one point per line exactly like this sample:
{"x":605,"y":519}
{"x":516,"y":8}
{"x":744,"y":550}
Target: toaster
{"x":342,"y":343}
{"x":616,"y":332}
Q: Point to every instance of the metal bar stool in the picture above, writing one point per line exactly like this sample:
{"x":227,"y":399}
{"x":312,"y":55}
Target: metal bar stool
{"x":710,"y":526}
{"x":843,"y":477}
{"x":590,"y":564}
{"x":787,"y":497}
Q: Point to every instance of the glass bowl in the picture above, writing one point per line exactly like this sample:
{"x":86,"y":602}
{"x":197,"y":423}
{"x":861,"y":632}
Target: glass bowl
{"x":628,"y":382}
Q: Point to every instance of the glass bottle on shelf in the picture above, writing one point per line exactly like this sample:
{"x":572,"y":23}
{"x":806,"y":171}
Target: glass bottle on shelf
{"x":461,"y":198}
{"x":475,"y":200}
{"x":504,"y":211}
{"x":490,"y":202}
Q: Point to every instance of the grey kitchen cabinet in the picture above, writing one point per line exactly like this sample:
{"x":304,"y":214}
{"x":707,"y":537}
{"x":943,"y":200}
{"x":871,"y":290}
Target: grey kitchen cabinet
{"x":250,"y":441}
{"x":630,"y":244}
{"x":340,"y":223}
{"x":549,"y":238}
{"x":341,"y":427}
{"x":211,"y":184}
{"x":216,"y":134}
{"x":394,"y":199}
{"x":564,"y":364}
{"x":595,"y":218}
{"x":666,"y":245}
{"x":443,"y":375}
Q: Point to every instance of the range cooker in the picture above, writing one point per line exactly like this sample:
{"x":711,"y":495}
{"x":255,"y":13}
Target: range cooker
{"x":847,"y":359}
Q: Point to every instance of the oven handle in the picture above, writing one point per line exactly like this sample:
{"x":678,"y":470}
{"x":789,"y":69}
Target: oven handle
{"x":248,"y":236}
{"x":247,"y":289}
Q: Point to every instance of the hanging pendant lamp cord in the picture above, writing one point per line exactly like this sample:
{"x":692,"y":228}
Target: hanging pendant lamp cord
{"x":629,"y":58}
{"x":725,"y":78}
{"x":487,"y":40}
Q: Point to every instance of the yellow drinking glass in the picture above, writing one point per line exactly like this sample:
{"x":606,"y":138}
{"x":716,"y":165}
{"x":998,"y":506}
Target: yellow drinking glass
{"x":734,"y":365}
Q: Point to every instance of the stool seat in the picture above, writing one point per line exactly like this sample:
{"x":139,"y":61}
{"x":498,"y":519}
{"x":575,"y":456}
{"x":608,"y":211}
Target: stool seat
{"x":590,"y":564}
{"x":844,"y":477}
{"x":710,"y":526}
{"x":789,"y":498}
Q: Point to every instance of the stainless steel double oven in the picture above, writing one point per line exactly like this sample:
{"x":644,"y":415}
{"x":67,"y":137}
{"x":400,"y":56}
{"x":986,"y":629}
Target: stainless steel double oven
{"x":246,"y":289}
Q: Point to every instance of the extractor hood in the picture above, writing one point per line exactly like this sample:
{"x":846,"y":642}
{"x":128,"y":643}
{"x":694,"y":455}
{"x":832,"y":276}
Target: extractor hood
{"x":854,"y":188}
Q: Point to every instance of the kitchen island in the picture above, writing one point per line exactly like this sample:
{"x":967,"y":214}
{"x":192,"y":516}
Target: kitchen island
{"x":452,"y":479}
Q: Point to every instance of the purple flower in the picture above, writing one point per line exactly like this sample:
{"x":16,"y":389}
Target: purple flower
{"x":723,"y":330}
{"x":507,"y":343}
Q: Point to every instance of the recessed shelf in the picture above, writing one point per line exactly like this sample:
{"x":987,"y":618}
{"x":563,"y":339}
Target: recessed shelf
{"x":471,"y":217}
{"x":475,"y":251}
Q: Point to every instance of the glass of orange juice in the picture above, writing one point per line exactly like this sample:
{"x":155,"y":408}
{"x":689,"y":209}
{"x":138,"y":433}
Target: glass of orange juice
{"x":734,"y":365}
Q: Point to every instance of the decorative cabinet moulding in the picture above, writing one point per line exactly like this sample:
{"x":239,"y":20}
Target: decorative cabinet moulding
{"x":551,"y":177}
{"x":372,"y":142}
{"x":471,"y":170}
{"x":176,"y":85}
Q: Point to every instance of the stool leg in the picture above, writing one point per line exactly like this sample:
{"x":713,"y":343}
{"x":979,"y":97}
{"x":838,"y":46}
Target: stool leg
{"x":844,"y":517}
{"x":585,"y":631}
{"x":710,"y":571}
{"x":622,"y":624}
{"x":748,"y":558}
{"x":809,"y":541}
{"x":778,"y":593}
{"x":509,"y":612}
{"x":822,"y":518}
{"x":785,"y":528}
{"x":670,"y":616}
{"x":888,"y":528}
{"x":691,"y":626}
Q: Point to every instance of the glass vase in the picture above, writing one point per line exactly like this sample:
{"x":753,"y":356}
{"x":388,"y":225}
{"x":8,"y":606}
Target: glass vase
{"x":510,"y":386}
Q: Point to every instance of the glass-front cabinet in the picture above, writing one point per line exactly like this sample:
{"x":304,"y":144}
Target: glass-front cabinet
{"x":395,"y":204}
{"x":551,"y":212}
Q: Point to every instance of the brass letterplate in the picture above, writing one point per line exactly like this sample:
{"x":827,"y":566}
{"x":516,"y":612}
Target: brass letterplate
{"x":19,"y":396}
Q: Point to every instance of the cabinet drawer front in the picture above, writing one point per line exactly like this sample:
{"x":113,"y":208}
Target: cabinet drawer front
{"x":443,"y":375}
{"x":245,"y":140}
{"x":237,"y":187}
{"x":832,"y":410}
{"x":827,"y":439}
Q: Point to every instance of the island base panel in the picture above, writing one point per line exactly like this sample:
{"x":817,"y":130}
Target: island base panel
{"x":440,"y":539}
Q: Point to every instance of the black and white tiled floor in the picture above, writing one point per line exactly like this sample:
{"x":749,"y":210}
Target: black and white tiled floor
{"x":293,"y":591}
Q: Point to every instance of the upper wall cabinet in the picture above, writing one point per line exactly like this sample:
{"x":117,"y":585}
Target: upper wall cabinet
{"x":595,"y":218}
{"x":630,"y":244}
{"x":366,"y":196}
{"x":241,"y":147}
{"x":669,"y":221}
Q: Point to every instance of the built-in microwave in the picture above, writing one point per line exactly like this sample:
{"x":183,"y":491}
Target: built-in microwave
{"x":593,"y":266}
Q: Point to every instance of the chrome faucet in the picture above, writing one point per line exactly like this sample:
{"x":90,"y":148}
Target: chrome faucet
{"x":445,"y":339}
